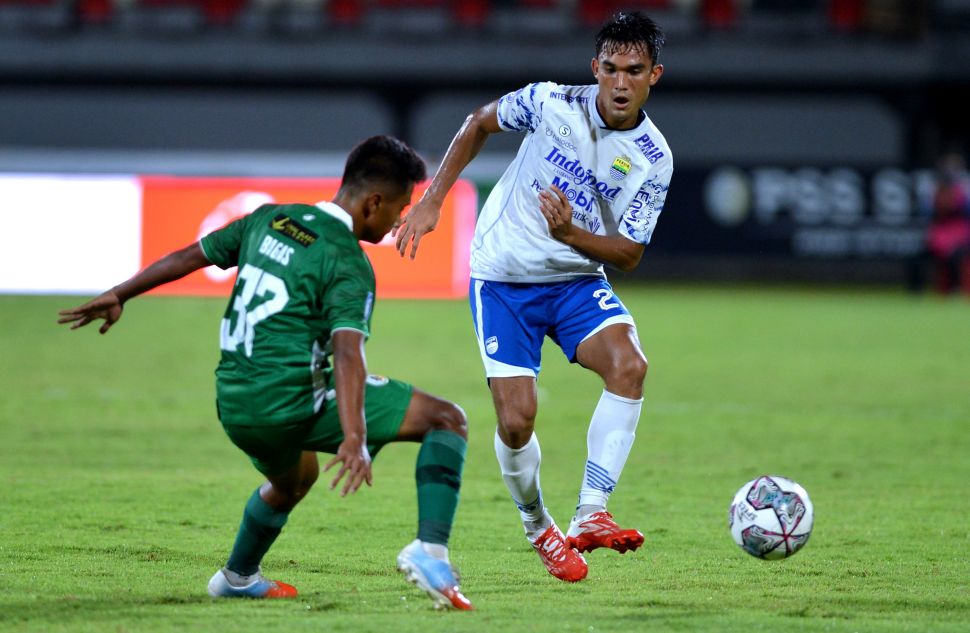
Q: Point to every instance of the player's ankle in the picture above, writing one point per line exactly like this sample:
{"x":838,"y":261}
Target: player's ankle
{"x":436,"y":550}
{"x":239,"y":580}
{"x":586,"y":509}
{"x":534,"y":527}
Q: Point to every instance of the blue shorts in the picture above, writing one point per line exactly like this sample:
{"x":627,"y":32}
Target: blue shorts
{"x":511,"y":320}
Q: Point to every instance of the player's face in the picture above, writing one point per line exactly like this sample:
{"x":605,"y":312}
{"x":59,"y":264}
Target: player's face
{"x":624,"y":77}
{"x":386,"y":214}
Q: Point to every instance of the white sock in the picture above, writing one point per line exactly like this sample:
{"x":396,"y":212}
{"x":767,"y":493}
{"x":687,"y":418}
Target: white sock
{"x":238,"y":580}
{"x":610,"y":437}
{"x":436,"y":550}
{"x":520,"y":470}
{"x":535,"y":529}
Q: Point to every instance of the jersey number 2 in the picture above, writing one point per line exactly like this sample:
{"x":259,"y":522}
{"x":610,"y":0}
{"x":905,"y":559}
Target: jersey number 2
{"x":252,"y":282}
{"x":604,"y":296}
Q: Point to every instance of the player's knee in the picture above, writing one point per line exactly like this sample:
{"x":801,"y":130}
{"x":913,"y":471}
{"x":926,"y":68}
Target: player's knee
{"x":450,"y":417}
{"x":636,"y":368}
{"x":307,"y":481}
{"x":285,"y":498}
{"x":626,"y":375}
{"x":296,"y":494}
{"x":285,"y":494}
{"x":516,"y":430}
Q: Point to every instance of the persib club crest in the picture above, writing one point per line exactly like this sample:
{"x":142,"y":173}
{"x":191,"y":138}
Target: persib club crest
{"x":620,"y":168}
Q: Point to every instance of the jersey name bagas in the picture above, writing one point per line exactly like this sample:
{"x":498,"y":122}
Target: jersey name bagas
{"x":276,"y":250}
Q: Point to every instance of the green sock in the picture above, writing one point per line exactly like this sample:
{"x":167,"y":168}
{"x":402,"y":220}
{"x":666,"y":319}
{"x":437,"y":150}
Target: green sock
{"x":438,"y":475}
{"x":260,"y":526}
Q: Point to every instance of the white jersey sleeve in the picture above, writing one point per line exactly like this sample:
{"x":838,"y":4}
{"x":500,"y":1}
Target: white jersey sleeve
{"x":640,"y":218}
{"x":521,"y":110}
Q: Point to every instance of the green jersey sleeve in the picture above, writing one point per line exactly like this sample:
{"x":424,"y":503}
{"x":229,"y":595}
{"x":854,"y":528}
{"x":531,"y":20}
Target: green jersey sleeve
{"x":222,"y":246}
{"x":348,"y":299}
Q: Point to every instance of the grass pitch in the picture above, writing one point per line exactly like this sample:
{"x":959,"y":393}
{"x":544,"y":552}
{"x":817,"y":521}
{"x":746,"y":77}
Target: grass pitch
{"x":121,"y":495}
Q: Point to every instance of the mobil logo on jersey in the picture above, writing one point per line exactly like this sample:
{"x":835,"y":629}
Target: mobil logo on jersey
{"x":580,"y":175}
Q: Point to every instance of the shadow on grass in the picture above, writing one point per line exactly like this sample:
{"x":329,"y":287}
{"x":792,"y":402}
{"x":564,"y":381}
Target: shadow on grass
{"x":68,"y":607}
{"x":97,"y":608}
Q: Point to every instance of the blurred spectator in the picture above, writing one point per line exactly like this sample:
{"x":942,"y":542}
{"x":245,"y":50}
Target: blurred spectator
{"x":907,"y":19}
{"x":948,"y":236}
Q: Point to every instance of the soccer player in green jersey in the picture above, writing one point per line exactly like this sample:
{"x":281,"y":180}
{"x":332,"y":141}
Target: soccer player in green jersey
{"x":292,"y":380}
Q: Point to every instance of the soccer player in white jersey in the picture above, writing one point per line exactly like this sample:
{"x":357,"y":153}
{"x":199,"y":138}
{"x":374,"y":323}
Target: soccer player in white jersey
{"x":584,"y":190}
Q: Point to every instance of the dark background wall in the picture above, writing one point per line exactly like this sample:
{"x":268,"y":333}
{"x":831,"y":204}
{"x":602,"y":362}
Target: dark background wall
{"x":282,"y":87}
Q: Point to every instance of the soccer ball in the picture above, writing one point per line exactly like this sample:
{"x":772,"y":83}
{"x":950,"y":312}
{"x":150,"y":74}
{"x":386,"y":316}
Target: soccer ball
{"x":771,"y":517}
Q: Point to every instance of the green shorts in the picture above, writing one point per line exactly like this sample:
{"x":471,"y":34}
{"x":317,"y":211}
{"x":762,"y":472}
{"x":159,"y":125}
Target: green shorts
{"x":275,"y":448}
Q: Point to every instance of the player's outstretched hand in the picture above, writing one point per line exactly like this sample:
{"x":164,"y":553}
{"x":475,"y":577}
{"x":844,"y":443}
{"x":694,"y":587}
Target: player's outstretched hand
{"x":421,"y":219}
{"x":354,"y":461}
{"x":555,"y":207}
{"x":106,"y":306}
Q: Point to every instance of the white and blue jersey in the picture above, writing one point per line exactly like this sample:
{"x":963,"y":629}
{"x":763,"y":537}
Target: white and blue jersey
{"x":616,"y":181}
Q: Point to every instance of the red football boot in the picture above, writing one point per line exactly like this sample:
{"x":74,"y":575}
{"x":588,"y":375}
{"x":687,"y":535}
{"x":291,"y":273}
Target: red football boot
{"x":562,"y":561}
{"x":600,"y":530}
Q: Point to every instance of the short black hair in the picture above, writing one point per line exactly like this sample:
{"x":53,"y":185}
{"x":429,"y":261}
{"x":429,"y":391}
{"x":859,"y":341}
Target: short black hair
{"x":631,"y":29}
{"x":383,"y":160}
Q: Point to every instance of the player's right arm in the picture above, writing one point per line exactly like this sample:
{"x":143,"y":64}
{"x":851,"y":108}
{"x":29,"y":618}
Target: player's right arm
{"x":220,"y":247}
{"x":350,"y":374}
{"x":423,"y":216}
{"x":109,"y":305}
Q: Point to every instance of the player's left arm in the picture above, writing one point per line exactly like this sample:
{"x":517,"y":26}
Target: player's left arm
{"x":110,"y":304}
{"x":617,"y":251}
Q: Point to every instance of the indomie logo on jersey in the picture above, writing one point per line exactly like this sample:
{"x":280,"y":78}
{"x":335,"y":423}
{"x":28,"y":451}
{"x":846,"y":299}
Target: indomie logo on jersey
{"x":581,"y":175}
{"x":294,"y":230}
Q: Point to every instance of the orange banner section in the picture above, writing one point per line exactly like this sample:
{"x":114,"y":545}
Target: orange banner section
{"x":177,"y":211}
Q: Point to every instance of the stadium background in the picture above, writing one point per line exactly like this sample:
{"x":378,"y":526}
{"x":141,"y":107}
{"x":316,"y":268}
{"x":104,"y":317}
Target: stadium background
{"x":803,"y":131}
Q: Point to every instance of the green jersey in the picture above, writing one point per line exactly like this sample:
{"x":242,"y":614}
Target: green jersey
{"x":302,"y":275}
